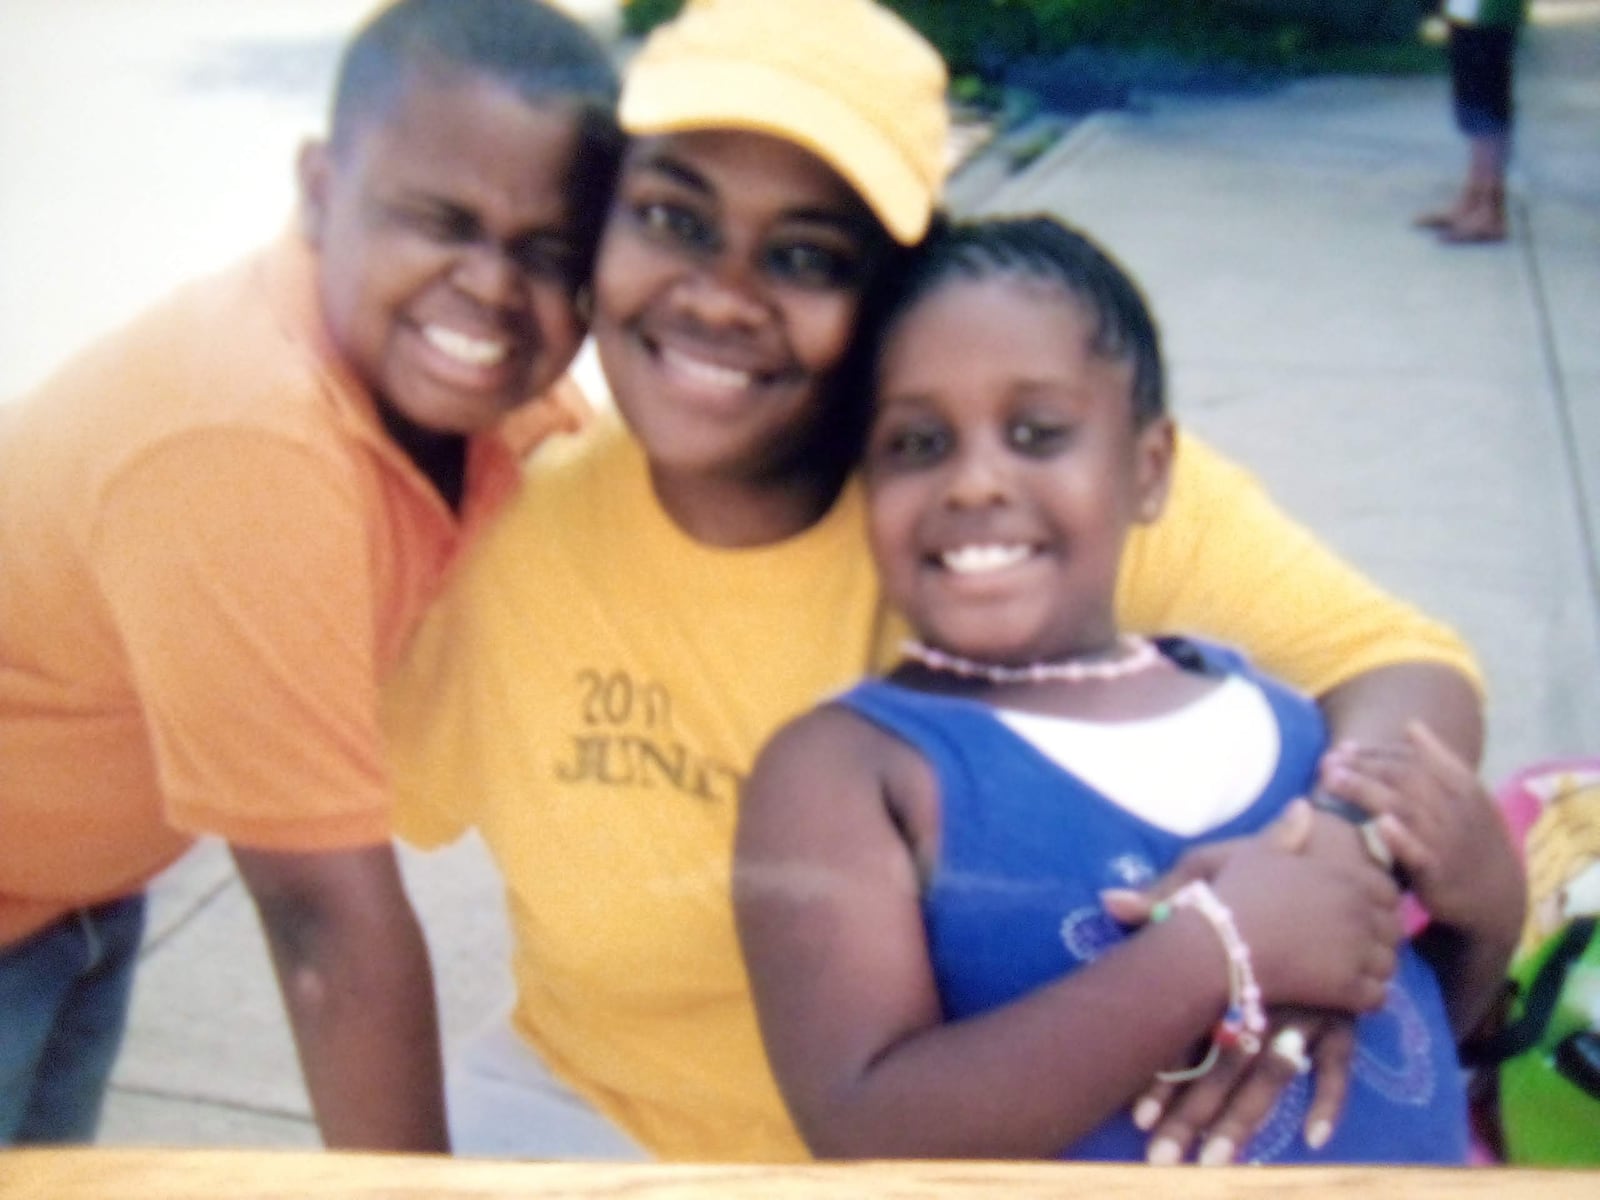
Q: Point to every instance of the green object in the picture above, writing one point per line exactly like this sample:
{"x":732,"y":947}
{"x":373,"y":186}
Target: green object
{"x":1549,"y":1072}
{"x":980,"y":36}
{"x":641,"y":16}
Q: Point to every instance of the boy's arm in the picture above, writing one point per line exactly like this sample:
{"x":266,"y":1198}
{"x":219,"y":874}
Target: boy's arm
{"x":353,"y":969}
{"x":235,"y":566}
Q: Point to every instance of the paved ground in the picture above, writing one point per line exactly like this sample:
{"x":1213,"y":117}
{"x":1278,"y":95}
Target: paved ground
{"x":1434,"y":412}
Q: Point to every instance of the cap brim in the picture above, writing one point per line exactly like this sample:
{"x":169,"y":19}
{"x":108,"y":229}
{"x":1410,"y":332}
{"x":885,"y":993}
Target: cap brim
{"x":701,"y":94}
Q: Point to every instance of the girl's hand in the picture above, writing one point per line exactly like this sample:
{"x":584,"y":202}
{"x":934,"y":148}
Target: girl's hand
{"x":1277,"y":893}
{"x":1219,"y":1113}
{"x":1289,"y":833}
{"x":1440,"y":824}
{"x":1321,"y":933}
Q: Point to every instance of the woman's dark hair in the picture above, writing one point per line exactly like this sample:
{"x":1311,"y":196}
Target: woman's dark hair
{"x":1038,"y":248}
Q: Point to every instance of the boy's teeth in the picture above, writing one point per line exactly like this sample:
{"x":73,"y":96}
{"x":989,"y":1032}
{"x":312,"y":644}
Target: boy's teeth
{"x":464,"y":348}
{"x":712,"y":374}
{"x":973,"y":560}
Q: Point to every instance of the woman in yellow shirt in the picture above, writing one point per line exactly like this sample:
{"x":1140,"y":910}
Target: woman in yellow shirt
{"x":690,"y":572}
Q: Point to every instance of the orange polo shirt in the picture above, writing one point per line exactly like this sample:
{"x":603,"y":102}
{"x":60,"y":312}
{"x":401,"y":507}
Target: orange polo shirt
{"x":210,"y":552}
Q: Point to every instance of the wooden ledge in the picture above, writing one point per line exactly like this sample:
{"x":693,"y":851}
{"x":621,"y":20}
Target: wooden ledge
{"x":139,"y":1174}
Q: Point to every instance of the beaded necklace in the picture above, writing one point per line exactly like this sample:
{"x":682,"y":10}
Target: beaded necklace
{"x":1137,"y":654}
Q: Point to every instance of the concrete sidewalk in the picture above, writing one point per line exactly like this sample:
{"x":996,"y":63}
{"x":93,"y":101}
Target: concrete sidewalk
{"x":1433,"y":412}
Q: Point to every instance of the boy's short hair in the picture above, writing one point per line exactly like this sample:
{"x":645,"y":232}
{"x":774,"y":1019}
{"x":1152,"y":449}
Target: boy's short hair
{"x":1038,"y":248}
{"x":541,"y":53}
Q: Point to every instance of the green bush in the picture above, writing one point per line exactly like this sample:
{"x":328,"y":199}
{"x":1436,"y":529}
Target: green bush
{"x":973,"y":35}
{"x":1296,"y":34}
{"x":641,"y":16}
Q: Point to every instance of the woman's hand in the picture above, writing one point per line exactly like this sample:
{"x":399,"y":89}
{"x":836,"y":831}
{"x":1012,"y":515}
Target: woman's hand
{"x":1447,"y":833}
{"x":1278,"y":899}
{"x":1441,"y":826}
{"x":1276,"y":892}
{"x":1219,"y":1113}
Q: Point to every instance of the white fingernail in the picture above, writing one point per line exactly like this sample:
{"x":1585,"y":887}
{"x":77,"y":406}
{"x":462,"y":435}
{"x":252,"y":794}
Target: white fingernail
{"x":1218,"y":1152}
{"x":1146,"y":1113}
{"x":1163,"y":1152}
{"x":1318,"y":1133}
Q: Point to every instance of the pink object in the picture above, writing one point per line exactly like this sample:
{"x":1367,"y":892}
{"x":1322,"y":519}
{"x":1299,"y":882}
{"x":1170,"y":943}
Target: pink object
{"x":1519,"y":798}
{"x":1521,"y":801}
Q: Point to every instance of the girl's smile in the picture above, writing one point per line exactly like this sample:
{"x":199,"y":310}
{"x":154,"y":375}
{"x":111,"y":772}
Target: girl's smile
{"x":984,"y":559}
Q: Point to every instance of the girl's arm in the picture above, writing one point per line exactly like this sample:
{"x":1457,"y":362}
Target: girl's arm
{"x":837,"y":825}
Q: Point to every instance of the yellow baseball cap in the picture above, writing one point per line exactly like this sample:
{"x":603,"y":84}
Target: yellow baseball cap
{"x":847,"y":80}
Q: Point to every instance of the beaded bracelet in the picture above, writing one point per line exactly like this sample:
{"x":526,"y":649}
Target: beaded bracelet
{"x":1245,"y":1020}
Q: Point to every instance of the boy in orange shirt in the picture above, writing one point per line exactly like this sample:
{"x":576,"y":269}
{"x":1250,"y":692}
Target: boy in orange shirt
{"x":219,"y":525}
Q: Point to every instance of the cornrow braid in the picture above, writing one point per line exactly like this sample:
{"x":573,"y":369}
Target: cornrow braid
{"x":1038,"y":248}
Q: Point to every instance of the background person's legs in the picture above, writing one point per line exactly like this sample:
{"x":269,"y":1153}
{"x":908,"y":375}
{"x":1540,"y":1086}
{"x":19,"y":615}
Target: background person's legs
{"x":1481,"y":87}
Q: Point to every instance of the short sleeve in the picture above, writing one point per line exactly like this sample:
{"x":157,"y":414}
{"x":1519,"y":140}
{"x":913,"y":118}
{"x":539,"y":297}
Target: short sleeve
{"x":238,"y":571}
{"x":1225,"y":563}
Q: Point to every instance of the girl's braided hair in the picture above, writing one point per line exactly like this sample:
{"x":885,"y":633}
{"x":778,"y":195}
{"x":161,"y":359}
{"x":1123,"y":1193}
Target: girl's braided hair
{"x":1038,"y":248}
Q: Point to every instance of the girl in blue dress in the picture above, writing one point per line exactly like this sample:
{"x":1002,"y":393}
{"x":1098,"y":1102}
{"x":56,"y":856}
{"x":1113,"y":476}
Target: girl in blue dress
{"x":931,"y":868}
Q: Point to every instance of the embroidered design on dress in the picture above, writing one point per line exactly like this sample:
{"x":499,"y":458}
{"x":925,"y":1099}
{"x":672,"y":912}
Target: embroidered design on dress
{"x":1089,"y":932}
{"x":1392,"y":1051}
{"x":1131,"y":870}
{"x":1282,"y":1130}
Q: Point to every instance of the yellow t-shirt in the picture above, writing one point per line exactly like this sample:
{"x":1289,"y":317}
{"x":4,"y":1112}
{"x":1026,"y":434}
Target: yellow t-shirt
{"x":595,"y":686}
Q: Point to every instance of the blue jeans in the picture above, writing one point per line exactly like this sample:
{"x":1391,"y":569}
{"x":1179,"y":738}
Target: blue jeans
{"x":64,"y":998}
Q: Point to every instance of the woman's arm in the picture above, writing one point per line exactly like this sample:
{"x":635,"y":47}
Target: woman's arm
{"x":1225,"y":563}
{"x":826,"y":891}
{"x":1377,"y":706}
{"x":1446,"y":832}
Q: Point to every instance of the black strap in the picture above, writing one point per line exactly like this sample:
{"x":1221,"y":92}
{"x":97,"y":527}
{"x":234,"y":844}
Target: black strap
{"x":1540,"y":1003}
{"x":1349,"y":810}
{"x":1338,"y":806}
